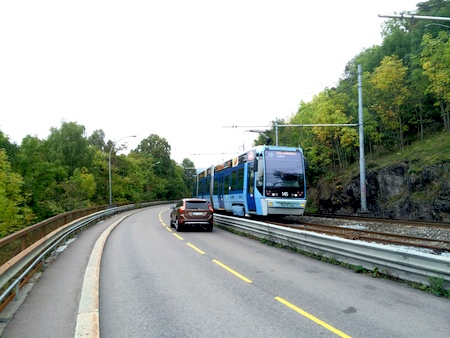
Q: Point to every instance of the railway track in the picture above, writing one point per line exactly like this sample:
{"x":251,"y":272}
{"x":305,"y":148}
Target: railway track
{"x":434,"y":236}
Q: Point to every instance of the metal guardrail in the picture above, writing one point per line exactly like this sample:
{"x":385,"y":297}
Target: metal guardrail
{"x":405,"y":264}
{"x":13,"y":244}
{"x":409,"y":265}
{"x":23,"y":264}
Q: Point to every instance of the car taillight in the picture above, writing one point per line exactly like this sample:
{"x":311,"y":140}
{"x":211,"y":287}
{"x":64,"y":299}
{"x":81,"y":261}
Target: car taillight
{"x":210,"y":208}
{"x":181,"y":210}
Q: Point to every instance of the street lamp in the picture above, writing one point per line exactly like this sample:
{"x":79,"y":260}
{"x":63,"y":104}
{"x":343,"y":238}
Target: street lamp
{"x":109,"y":166}
{"x":268,"y":139}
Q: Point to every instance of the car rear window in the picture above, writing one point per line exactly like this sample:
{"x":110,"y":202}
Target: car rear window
{"x":196,"y":205}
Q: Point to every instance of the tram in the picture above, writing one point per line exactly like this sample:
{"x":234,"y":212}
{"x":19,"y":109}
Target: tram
{"x":263,"y":181}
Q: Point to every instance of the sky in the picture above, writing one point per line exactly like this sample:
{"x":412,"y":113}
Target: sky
{"x":186,"y":71}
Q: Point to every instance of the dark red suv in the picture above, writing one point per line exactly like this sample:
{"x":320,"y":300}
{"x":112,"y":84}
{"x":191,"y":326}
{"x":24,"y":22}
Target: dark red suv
{"x":191,"y":212}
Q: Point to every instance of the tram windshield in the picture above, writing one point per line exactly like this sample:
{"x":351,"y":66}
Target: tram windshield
{"x":284,"y":174}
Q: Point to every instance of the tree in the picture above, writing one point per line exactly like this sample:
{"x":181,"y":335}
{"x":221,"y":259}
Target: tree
{"x":154,"y":146}
{"x":418,"y":84}
{"x":77,"y":190}
{"x":11,"y":149}
{"x":159,"y":149}
{"x":100,"y":172}
{"x":41,"y":177}
{"x":14,"y":213}
{"x":97,"y":140}
{"x":389,"y":80}
{"x":189,"y":176}
{"x":435,"y":59}
{"x":327,"y":107}
{"x":69,"y":146}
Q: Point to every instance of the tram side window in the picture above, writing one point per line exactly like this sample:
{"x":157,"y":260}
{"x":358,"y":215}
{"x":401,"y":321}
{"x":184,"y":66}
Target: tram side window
{"x":204,"y":186}
{"x":216,"y":186}
{"x":240,"y":179}
{"x":226,"y":184}
{"x":233,"y":180}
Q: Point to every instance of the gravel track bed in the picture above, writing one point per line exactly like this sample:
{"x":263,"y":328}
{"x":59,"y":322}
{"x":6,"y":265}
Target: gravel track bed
{"x":440,"y":234}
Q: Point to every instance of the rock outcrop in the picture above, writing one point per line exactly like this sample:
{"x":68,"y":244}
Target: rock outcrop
{"x":399,"y":191}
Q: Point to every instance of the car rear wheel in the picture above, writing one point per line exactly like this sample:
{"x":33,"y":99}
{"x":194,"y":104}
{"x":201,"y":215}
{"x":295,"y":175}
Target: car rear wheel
{"x":178,"y":226}
{"x":209,"y":228}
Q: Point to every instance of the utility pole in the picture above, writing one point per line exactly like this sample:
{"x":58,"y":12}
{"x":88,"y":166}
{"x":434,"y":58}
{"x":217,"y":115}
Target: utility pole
{"x":362,"y":163}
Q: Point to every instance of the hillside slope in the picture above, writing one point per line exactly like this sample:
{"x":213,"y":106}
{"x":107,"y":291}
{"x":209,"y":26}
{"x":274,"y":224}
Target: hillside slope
{"x":412,"y":184}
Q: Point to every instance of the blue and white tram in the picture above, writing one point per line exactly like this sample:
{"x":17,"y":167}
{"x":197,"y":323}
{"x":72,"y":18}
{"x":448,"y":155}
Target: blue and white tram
{"x":263,"y":181}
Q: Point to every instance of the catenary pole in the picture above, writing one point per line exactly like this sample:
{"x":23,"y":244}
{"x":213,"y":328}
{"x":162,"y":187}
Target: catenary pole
{"x":362,"y":164}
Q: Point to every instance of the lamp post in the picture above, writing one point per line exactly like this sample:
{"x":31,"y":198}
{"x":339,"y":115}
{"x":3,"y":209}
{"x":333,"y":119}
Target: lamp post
{"x":268,"y":139}
{"x":109,"y":166}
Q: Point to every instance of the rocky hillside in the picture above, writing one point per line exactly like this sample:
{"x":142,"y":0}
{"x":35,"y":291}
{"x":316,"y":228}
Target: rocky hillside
{"x":402,"y":191}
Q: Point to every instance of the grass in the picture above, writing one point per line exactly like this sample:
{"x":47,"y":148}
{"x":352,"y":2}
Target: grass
{"x":433,"y":150}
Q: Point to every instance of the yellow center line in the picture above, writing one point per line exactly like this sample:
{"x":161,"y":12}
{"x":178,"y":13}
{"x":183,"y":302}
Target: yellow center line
{"x":160,"y":218}
{"x":311,"y":317}
{"x":195,"y":248}
{"x":281,"y":300}
{"x":232,"y":271}
{"x":178,"y":236}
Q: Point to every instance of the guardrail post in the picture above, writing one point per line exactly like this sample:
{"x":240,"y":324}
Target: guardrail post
{"x":16,"y":296}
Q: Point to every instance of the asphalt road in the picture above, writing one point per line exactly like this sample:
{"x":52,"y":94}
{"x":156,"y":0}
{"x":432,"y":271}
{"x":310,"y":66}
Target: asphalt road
{"x":155,"y":282}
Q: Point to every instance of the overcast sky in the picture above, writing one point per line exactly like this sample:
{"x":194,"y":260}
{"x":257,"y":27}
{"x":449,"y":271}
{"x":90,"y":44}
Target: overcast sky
{"x":183,"y":70}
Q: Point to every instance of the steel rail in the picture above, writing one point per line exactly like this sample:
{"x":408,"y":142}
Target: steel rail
{"x":375,"y":236}
{"x":362,"y":218}
{"x":406,"y":264}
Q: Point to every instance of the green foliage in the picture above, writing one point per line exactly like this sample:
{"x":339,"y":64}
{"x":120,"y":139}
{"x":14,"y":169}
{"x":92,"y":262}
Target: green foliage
{"x":77,"y":190}
{"x":14,"y":214}
{"x":389,"y":81}
{"x":358,"y":268}
{"x":71,"y":171}
{"x":437,"y":287}
{"x":69,"y":146}
{"x":10,"y":149}
{"x":41,"y":177}
{"x":405,"y":95}
{"x":435,"y":59}
{"x":434,"y":149}
{"x":189,"y":176}
{"x":97,"y":140}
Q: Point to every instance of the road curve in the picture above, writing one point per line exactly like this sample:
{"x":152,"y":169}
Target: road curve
{"x":155,"y":282}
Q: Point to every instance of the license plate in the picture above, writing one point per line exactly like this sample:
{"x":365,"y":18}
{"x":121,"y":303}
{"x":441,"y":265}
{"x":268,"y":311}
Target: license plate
{"x":197,"y":213}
